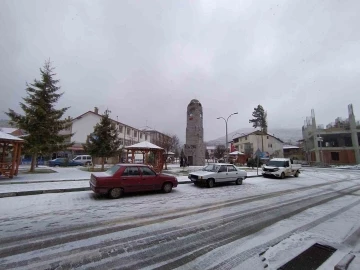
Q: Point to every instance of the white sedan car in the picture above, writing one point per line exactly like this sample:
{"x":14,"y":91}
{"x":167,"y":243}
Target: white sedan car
{"x":218,"y":173}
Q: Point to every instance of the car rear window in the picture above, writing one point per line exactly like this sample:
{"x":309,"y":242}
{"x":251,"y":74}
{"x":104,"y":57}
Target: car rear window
{"x":146,"y":171}
{"x":113,"y":170}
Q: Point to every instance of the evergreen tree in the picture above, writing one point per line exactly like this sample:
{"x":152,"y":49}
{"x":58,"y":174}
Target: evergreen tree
{"x":104,"y":141}
{"x":41,"y":120}
{"x":260,"y":120}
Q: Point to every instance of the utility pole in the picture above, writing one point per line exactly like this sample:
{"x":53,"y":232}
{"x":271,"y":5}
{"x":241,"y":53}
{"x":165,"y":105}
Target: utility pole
{"x":226,"y":134}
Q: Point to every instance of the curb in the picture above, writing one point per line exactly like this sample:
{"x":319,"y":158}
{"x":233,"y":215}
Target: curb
{"x":48,"y":181}
{"x":345,"y":262}
{"x":36,"y":192}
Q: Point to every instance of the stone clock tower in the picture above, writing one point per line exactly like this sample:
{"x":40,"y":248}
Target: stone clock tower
{"x":194,"y":149}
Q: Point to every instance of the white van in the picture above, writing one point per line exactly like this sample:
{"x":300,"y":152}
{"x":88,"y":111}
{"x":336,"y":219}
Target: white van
{"x":84,"y":159}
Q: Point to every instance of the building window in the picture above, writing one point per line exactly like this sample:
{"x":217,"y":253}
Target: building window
{"x":335,"y":156}
{"x":128,"y":131}
{"x":141,"y":135}
{"x":121,"y":142}
{"x":120,"y":129}
{"x":267,"y":137}
{"x":135,"y":133}
{"x":245,"y":138}
{"x":146,"y":137}
{"x":270,"y":145}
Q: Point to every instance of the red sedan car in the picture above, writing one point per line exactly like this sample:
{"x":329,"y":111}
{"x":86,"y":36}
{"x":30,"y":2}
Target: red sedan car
{"x":130,"y":178}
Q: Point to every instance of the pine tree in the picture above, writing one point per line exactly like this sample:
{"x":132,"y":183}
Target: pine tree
{"x":104,"y":141}
{"x":260,"y":120}
{"x":41,"y":120}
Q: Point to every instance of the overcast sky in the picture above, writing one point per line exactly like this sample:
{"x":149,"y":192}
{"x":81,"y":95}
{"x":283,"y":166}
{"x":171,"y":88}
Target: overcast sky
{"x":145,"y":60}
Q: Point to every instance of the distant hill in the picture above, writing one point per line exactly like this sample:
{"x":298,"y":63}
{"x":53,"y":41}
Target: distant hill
{"x":288,"y":135}
{"x":4,"y":123}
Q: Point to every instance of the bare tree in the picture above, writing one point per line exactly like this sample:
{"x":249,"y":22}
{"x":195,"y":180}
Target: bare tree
{"x":219,"y":151}
{"x":170,"y":143}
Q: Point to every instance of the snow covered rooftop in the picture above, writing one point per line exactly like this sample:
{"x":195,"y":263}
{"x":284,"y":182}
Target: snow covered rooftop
{"x":5,"y":136}
{"x":290,"y":147}
{"x":236,"y":153}
{"x":144,"y":145}
{"x":8,"y":130}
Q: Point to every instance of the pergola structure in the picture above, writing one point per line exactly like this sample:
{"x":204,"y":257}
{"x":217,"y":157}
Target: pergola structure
{"x":145,"y":148}
{"x":9,"y":146}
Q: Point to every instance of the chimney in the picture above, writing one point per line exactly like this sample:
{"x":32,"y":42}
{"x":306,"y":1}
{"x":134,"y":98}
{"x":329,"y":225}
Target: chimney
{"x":96,"y":110}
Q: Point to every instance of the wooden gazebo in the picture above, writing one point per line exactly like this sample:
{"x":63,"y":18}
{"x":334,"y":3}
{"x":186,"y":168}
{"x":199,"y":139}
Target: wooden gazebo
{"x":238,"y":156}
{"x":145,"y":148}
{"x":10,"y":154}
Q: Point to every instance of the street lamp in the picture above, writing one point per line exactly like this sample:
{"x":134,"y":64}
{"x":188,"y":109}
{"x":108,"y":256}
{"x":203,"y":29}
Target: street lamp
{"x":226,"y":130}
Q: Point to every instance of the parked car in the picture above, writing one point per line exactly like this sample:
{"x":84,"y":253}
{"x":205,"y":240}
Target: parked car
{"x":123,"y":178}
{"x":218,"y":173}
{"x":63,"y":162}
{"x":281,"y":167}
{"x":84,"y":159}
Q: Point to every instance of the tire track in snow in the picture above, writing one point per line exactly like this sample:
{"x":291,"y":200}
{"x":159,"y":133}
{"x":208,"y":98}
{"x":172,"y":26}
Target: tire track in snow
{"x":180,"y":212}
{"x":241,"y":225}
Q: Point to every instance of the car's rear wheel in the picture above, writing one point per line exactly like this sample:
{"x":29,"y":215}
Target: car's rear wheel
{"x":167,"y":187}
{"x":239,"y":181}
{"x":282,"y":175}
{"x":210,"y":183}
{"x":297,"y":174}
{"x":115,"y":193}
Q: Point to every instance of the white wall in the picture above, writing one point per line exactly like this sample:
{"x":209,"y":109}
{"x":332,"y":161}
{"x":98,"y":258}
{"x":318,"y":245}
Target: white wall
{"x":84,"y":126}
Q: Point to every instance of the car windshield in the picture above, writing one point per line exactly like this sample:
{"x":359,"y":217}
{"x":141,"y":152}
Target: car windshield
{"x":211,"y":168}
{"x":276,"y":163}
{"x":112,"y":170}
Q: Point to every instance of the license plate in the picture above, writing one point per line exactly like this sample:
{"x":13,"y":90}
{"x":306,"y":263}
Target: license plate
{"x":267,"y":172}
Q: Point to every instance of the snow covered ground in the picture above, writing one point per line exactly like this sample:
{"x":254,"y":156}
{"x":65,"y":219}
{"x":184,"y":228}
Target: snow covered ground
{"x":61,"y":174}
{"x":191,"y":228}
{"x":44,"y":186}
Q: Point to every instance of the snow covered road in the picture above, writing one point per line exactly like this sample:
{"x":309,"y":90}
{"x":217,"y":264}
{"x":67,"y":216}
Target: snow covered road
{"x":191,"y":228}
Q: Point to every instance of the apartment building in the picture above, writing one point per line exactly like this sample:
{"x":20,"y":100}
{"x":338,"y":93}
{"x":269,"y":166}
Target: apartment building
{"x":337,"y":143}
{"x":83,"y":125}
